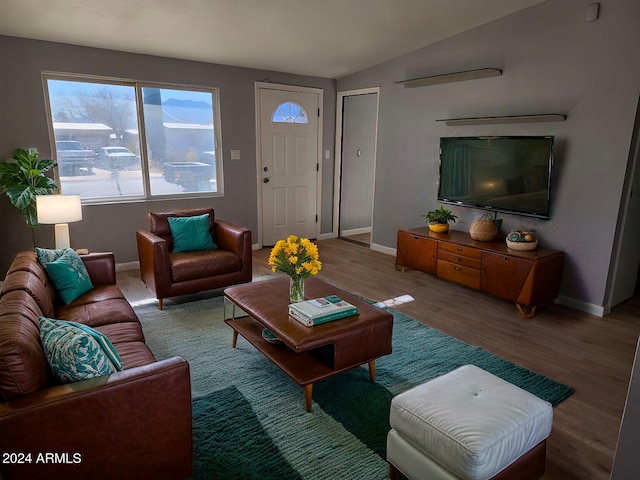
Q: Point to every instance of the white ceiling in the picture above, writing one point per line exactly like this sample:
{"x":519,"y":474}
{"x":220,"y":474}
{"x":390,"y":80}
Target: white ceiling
{"x":327,"y":38}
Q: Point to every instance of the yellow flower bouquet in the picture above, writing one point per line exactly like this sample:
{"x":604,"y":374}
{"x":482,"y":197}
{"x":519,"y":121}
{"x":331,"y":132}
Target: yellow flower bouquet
{"x":297,"y":257}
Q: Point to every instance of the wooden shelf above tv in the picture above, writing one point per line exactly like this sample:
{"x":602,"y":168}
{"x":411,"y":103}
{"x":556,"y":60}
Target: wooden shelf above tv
{"x":547,"y":117}
{"x":451,"y":77}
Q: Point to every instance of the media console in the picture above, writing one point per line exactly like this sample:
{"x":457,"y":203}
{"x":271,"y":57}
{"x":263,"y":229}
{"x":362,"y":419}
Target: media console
{"x":526,"y":278}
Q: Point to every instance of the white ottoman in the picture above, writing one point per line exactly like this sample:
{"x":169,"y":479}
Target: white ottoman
{"x":468,"y":424}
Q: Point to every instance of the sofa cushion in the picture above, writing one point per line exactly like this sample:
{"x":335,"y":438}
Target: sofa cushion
{"x":191,"y":233}
{"x":74,"y":352}
{"x":70,"y":276}
{"x":25,"y":273}
{"x":202,"y":264}
{"x":100,"y":306}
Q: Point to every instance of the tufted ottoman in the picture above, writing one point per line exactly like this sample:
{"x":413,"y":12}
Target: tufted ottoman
{"x":468,"y":424}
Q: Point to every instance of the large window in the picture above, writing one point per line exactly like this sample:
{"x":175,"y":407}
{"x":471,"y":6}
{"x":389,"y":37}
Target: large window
{"x":125,"y":140}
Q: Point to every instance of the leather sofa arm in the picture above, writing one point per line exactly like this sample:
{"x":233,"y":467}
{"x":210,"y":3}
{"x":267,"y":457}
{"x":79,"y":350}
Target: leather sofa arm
{"x":232,"y":237}
{"x":101,"y":267}
{"x":153,"y":254}
{"x":132,"y":424}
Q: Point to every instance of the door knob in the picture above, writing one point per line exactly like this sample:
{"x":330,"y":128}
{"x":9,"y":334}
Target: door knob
{"x":265,"y":179}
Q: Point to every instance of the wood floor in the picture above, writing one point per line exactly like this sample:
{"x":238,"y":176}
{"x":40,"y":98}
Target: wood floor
{"x":593,"y":355}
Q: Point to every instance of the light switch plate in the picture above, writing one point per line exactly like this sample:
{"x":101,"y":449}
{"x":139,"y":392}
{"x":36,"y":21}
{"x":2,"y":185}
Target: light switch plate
{"x":592,"y":12}
{"x":235,"y":154}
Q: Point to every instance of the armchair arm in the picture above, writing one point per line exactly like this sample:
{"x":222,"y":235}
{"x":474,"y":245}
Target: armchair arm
{"x":153,"y":254}
{"x":237,"y":240}
{"x":232,"y":237}
{"x":101,"y":267}
{"x":132,"y":424}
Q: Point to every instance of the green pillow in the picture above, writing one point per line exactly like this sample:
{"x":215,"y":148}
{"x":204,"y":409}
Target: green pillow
{"x":69,"y":276}
{"x":46,"y":255}
{"x":191,"y":233}
{"x":77,"y":352}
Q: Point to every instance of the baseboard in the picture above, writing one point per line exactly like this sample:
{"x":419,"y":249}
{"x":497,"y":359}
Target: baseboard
{"x":123,"y":267}
{"x":355,"y":231}
{"x":326,"y":236}
{"x":597,"y":310}
{"x":255,"y":246}
{"x":383,"y":249}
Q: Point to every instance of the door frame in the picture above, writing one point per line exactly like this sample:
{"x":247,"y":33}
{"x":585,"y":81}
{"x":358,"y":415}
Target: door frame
{"x":296,"y":89}
{"x":337,"y":186}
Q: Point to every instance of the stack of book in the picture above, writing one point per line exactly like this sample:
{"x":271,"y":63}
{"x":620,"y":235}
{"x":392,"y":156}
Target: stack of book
{"x":321,"y":310}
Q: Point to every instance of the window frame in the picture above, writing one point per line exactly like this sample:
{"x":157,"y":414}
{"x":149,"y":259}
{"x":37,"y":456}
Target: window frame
{"x":138,"y":86}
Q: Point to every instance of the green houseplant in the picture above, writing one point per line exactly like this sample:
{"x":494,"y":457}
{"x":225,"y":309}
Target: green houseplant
{"x":23,"y":179}
{"x":439,"y":219}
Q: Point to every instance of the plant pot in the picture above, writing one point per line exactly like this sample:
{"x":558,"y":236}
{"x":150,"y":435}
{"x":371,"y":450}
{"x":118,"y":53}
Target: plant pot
{"x":439,"y":227}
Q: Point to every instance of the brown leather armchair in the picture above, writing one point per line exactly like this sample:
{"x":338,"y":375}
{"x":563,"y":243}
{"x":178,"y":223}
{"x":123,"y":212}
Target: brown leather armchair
{"x":169,"y":274}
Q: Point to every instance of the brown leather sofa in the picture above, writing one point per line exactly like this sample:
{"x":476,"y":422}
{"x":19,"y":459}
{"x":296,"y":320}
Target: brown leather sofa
{"x":135,"y":423}
{"x":169,"y":274}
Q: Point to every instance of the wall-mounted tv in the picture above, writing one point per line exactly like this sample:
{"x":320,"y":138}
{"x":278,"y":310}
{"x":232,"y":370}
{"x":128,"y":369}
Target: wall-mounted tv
{"x":505,"y":174}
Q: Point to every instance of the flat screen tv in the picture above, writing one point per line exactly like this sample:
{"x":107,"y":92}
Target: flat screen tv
{"x":505,"y":174}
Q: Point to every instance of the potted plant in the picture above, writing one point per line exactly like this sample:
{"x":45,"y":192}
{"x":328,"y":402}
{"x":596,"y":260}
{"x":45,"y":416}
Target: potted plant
{"x":439,"y":219}
{"x":23,"y":179}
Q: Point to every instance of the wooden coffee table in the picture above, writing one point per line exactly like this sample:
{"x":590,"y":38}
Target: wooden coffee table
{"x":309,"y":354}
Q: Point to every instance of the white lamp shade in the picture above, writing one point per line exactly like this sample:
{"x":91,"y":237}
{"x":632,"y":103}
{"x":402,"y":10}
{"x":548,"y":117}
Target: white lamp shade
{"x":54,"y":209}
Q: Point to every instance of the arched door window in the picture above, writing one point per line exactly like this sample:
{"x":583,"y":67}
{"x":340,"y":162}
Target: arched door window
{"x":289,"y":112}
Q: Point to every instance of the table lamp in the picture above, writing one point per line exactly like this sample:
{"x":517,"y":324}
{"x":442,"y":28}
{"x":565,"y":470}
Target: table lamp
{"x":59,"y":210}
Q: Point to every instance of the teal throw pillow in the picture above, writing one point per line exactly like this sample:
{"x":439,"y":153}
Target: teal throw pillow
{"x":46,"y":255}
{"x":77,"y":352}
{"x":191,"y":233}
{"x":69,"y":276}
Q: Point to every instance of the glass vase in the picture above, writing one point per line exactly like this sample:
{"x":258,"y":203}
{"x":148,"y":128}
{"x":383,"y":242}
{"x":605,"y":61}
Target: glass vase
{"x":296,"y":289}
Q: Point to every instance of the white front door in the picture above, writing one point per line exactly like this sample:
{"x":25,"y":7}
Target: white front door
{"x":288,"y":162}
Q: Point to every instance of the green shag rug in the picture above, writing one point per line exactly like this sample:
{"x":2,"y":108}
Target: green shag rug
{"x":249,"y":418}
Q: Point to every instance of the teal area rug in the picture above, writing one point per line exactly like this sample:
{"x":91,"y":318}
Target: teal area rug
{"x":249,"y":417}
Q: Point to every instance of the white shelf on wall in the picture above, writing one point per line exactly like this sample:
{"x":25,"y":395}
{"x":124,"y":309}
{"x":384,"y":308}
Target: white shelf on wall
{"x":549,"y":117}
{"x":451,"y":77}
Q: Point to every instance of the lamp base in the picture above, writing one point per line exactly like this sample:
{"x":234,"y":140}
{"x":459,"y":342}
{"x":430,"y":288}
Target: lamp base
{"x":62,"y":236}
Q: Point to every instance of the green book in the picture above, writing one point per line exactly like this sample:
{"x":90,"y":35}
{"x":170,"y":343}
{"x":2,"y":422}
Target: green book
{"x":321,"y":310}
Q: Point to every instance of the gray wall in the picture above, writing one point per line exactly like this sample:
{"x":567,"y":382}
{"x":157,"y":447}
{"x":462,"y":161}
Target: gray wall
{"x":553,"y":61}
{"x":112,"y":227}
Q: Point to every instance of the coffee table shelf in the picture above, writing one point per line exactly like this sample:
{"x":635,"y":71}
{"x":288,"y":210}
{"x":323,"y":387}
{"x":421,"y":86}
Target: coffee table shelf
{"x":303,"y":367}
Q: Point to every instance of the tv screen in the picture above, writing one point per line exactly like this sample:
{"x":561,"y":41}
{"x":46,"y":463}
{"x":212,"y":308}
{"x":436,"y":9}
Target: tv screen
{"x":506,"y":174}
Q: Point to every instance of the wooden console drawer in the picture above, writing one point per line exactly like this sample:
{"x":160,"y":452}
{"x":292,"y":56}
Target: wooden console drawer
{"x":460,"y":259}
{"x":460,"y":249}
{"x":469,"y":277}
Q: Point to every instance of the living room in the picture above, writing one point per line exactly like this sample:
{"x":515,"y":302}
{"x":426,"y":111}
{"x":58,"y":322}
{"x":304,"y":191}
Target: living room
{"x":552,"y":61}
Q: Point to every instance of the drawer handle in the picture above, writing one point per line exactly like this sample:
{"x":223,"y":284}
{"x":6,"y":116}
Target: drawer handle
{"x":458,"y":259}
{"x":415,"y":238}
{"x":459,"y":249}
{"x":456,"y":268}
{"x":505,"y":259}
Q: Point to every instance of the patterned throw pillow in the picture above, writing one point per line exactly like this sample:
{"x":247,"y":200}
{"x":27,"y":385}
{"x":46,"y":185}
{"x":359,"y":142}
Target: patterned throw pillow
{"x":75,"y":354}
{"x":69,"y":276}
{"x":46,"y":255}
{"x":191,"y":233}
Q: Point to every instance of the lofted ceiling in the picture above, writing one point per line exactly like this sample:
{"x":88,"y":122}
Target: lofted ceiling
{"x":326,"y":38}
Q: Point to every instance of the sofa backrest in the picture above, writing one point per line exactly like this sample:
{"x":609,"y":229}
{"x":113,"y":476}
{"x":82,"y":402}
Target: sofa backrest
{"x":23,"y":365}
{"x":159,"y":225}
{"x":25,"y":273}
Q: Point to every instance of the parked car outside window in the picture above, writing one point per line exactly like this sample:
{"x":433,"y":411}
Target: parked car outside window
{"x":72,"y":156}
{"x":117,"y":158}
